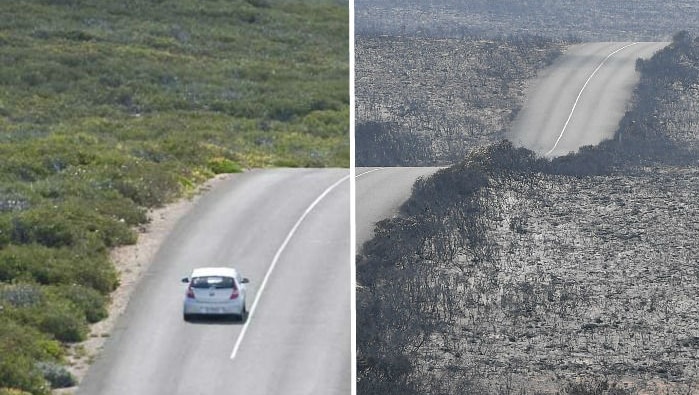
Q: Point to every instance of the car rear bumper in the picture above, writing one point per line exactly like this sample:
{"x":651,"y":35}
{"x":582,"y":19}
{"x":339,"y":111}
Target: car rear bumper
{"x":195,"y":307}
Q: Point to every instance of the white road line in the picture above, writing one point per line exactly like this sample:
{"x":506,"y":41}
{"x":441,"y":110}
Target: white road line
{"x":276,"y":259}
{"x":581,"y":92}
{"x":367,"y":172}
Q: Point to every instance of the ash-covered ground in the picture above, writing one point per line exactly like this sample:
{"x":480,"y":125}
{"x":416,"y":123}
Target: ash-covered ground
{"x":593,"y":277}
{"x":509,"y":273}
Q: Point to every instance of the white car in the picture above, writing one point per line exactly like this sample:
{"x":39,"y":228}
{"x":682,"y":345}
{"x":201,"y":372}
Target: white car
{"x":215,"y":291}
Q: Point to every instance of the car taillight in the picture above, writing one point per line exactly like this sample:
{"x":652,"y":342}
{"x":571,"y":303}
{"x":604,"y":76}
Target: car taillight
{"x":235,"y":294}
{"x":190,"y":293}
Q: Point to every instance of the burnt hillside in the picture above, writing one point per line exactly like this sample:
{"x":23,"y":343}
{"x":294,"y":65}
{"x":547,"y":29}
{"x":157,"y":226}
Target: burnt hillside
{"x":511,"y":274}
{"x":426,"y":101}
{"x":586,"y":20}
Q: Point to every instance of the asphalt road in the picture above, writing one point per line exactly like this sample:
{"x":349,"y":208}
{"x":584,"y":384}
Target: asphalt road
{"x":580,"y":99}
{"x":297,"y":338}
{"x":379,"y":193}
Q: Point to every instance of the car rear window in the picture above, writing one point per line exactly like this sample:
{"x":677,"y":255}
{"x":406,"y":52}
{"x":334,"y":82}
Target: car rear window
{"x":213,"y":282}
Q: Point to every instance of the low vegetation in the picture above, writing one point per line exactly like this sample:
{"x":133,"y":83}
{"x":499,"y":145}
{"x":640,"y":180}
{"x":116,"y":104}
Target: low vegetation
{"x":110,"y":108}
{"x":508,"y":273}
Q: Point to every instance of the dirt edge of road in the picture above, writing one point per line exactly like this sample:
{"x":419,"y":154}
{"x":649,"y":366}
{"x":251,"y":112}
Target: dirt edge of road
{"x":131,"y":261}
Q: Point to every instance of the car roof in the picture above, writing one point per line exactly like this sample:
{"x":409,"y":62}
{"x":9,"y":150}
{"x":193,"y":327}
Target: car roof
{"x":215,"y":271}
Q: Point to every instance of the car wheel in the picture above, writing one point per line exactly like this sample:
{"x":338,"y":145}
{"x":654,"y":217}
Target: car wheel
{"x":187,"y":317}
{"x":242,"y":315}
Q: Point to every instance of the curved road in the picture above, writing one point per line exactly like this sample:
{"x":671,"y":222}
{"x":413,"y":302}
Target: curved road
{"x":297,"y":338}
{"x":577,"y":101}
{"x":580,"y":99}
{"x":379,"y":193}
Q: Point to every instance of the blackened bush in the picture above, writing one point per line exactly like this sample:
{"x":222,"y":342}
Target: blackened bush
{"x":464,"y":179}
{"x":588,"y":161}
{"x":437,"y":193}
{"x":384,"y":144}
{"x":594,"y":387}
{"x":503,"y":156}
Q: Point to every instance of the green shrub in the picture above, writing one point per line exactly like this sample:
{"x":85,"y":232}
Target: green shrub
{"x":67,"y":224}
{"x":62,"y":320}
{"x":96,"y":271}
{"x":147,"y":184}
{"x":22,"y":340}
{"x":54,"y":266}
{"x":129,"y":113}
{"x":12,"y":391}
{"x":17,"y":371}
{"x":22,"y":170}
{"x":184,"y":148}
{"x":57,"y":375}
{"x":119,"y":209}
{"x":46,"y":226}
{"x":87,"y":300}
{"x":20,"y":347}
{"x":287,"y":162}
{"x":62,"y":311}
{"x":5,"y":229}
{"x":327,"y":123}
{"x":223,"y":165}
{"x":93,"y":191}
{"x":38,"y":158}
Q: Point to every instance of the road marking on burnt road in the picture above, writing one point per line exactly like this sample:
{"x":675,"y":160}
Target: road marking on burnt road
{"x":572,"y":110}
{"x":367,"y":172}
{"x":276,"y":259}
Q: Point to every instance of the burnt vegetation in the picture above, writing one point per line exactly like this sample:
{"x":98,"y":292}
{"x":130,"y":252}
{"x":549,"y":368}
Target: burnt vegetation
{"x":426,"y":101}
{"x":507,"y":273}
{"x":586,"y":20}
